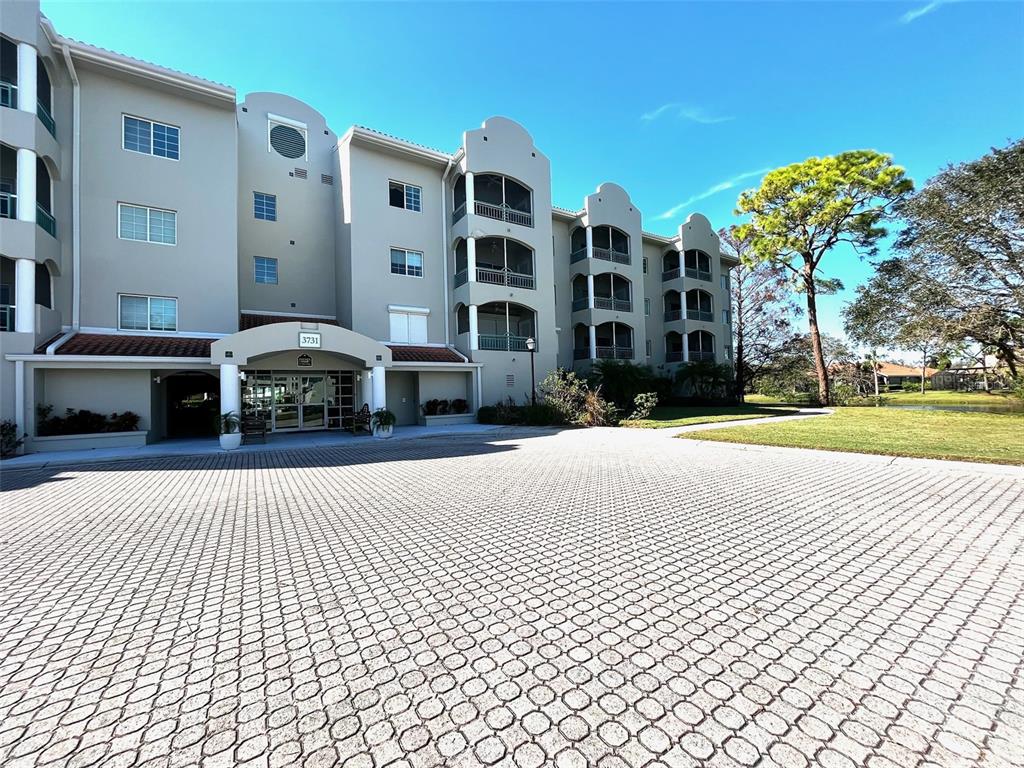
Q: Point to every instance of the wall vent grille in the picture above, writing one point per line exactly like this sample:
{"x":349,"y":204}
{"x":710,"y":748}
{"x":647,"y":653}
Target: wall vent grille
{"x":300,"y":173}
{"x":510,"y":380}
{"x":326,"y":178}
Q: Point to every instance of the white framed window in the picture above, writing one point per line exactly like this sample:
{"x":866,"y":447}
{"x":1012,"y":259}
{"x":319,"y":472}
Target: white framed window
{"x":264,"y":206}
{"x":726,"y":316}
{"x":149,"y":225}
{"x":407,"y":196}
{"x":287,"y":137}
{"x":408,"y":325}
{"x":725,"y":282}
{"x":146,"y":313}
{"x":405,"y":262}
{"x":149,"y":137}
{"x":265,"y":270}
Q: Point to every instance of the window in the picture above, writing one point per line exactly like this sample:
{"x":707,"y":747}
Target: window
{"x":147,"y":313}
{"x":150,"y":138}
{"x":264,"y":206}
{"x":726,"y":316}
{"x":647,"y":307}
{"x":265,"y":269}
{"x":645,"y":265}
{"x":406,"y":262}
{"x":408,"y":324}
{"x":725,"y":282}
{"x":403,"y":195}
{"x":648,"y":347}
{"x":153,"y":225}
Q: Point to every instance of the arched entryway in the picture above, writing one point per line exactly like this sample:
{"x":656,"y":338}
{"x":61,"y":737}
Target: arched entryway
{"x":192,"y":404}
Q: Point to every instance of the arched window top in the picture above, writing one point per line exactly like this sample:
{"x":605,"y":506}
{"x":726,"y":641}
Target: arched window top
{"x":614,"y":341}
{"x":612,"y":239}
{"x":700,"y":346}
{"x":698,"y":264}
{"x":501,"y":197}
{"x":699,"y":305}
{"x":505,"y":326}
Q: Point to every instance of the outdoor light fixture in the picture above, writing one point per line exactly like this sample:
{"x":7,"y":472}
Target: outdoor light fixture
{"x":531,"y":345}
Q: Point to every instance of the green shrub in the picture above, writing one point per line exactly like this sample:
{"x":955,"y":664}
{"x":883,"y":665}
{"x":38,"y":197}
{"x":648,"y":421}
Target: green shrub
{"x":539,"y":415}
{"x":487,"y":414}
{"x":9,"y":439}
{"x":621,"y":381}
{"x":82,"y":422}
{"x":643,"y":404}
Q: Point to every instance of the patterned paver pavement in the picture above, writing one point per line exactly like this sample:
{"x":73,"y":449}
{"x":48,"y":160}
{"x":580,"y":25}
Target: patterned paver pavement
{"x":605,"y":598}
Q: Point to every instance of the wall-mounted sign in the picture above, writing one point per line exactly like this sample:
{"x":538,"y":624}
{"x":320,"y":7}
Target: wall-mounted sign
{"x":305,"y":361}
{"x":309,"y":340}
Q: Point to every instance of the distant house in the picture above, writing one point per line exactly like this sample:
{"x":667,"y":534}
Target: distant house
{"x":894,"y":375}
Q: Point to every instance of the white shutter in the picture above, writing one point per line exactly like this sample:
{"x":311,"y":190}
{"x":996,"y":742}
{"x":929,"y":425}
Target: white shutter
{"x":399,"y":327}
{"x":418,"y":329}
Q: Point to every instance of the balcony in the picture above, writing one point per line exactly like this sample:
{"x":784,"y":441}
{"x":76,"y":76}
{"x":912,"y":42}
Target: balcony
{"x":578,"y":255}
{"x":697,"y":274}
{"x":617,"y":305}
{"x":461,"y":277}
{"x":607,"y":254}
{"x":458,"y":213}
{"x":503,"y":213}
{"x":674,"y":356}
{"x":502,"y":342}
{"x":615,"y":353}
{"x":702,"y":357}
{"x":46,"y":118}
{"x":8,"y":95}
{"x":8,"y":205}
{"x":7,"y":318}
{"x":504,"y":277}
{"x":45,"y":220}
{"x":670,"y":274}
{"x":580,"y":304}
{"x":671,"y":315}
{"x":696,"y":314}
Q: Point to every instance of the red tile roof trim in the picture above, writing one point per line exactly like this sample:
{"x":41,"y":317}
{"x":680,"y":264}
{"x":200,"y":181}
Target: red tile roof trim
{"x":117,"y":345}
{"x":246,"y":321}
{"x":402,"y":353}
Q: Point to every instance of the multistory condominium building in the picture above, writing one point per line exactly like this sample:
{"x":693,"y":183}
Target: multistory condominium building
{"x":168,"y":249}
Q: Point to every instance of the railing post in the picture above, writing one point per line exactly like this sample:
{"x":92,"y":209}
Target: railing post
{"x":471,"y":259}
{"x":592,"y":330}
{"x":27,"y":83}
{"x":590,"y":242}
{"x":474,"y":336}
{"x":25,"y":295}
{"x":26,"y":184}
{"x":590,"y":291}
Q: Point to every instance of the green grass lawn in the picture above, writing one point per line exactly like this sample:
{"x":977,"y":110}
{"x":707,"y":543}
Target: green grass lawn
{"x":672,"y":416}
{"x":989,"y":437}
{"x":948,"y":397}
{"x":802,"y":399}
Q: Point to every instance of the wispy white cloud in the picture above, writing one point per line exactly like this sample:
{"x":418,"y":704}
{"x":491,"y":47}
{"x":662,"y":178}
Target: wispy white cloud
{"x":916,"y":13}
{"x":685,"y":112}
{"x":715,"y":189}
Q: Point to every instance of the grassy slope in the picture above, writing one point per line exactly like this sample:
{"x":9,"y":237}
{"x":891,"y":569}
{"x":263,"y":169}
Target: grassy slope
{"x":988,"y":437}
{"x":681,"y":417}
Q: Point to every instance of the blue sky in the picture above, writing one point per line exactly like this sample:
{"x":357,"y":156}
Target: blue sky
{"x":684,"y":104}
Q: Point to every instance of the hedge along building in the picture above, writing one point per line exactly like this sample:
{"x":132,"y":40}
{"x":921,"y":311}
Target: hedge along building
{"x":164,"y":245}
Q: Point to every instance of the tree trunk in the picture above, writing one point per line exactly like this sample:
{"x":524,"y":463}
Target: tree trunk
{"x":741,"y":383}
{"x":812,"y":319}
{"x":924,"y":365}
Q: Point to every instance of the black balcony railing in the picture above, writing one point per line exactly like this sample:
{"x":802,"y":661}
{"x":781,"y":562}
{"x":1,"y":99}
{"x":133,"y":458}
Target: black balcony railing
{"x":698,"y":274}
{"x":45,"y":220}
{"x":702,"y":357}
{"x":461,"y":277}
{"x":7,"y":317}
{"x":8,"y":94}
{"x":46,"y":118}
{"x":615,"y":353}
{"x":503,"y":213}
{"x":671,"y":315}
{"x":502,"y":342}
{"x":618,"y":305}
{"x":578,"y":255}
{"x":580,"y":304}
{"x":505,"y":277}
{"x":8,"y":205}
{"x":669,"y":274}
{"x":674,"y":356}
{"x":696,"y":314}
{"x":458,"y":213}
{"x":608,"y":254}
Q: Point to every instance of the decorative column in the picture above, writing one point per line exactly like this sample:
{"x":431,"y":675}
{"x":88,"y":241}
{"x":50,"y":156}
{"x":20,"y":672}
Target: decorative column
{"x":27,"y":84}
{"x":686,"y":347}
{"x":26,"y":186}
{"x":471,"y":259}
{"x":590,"y":242}
{"x":24,"y":296}
{"x":474,"y":335}
{"x":590,"y":283}
{"x":470,"y":196}
{"x":593,"y":341}
{"x":230,"y":390}
{"x":379,"y":395}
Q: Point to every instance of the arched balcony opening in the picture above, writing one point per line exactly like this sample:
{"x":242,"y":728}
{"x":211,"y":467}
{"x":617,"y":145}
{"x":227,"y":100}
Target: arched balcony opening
{"x":673,"y":347}
{"x":504,"y":327}
{"x":459,"y":198}
{"x":670,"y":265}
{"x":44,"y":198}
{"x":8,"y":182}
{"x":700,"y":346}
{"x":461,"y":262}
{"x":44,"y":286}
{"x":580,"y":342}
{"x":461,"y":319}
{"x":8,"y":73}
{"x":613,"y":292}
{"x":7,"y":278}
{"x":44,"y":97}
{"x":673,"y":306}
{"x":699,"y":306}
{"x":614,"y":341}
{"x":577,"y":244}
{"x":580,"y":294}
{"x":611,"y":244}
{"x":503,"y":261}
{"x":502,"y":198}
{"x":698,"y":265}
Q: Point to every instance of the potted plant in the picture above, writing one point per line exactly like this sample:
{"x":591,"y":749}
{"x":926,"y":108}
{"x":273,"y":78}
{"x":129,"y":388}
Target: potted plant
{"x":230,"y":431}
{"x":383,"y":422}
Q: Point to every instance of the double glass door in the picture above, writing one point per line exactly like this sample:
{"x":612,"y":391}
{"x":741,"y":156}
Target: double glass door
{"x":299,"y":401}
{"x":292,"y":400}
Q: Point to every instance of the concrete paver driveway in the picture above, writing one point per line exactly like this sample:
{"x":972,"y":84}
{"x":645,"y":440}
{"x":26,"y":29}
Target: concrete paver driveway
{"x":608,"y":597}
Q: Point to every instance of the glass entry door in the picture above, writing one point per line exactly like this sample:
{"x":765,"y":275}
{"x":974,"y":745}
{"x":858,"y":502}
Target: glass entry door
{"x":291,"y":400}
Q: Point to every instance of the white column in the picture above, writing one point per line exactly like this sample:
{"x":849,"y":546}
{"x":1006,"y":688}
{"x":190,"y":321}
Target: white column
{"x":593,"y":341}
{"x":471,"y":259}
{"x":25,"y":296}
{"x":19,"y":399}
{"x":470,"y":196}
{"x":474,"y":336}
{"x":379,"y":397}
{"x":590,"y":290}
{"x":27,"y":78}
{"x":230,"y":390}
{"x":686,"y":348}
{"x":590,"y":242}
{"x":26,"y":187}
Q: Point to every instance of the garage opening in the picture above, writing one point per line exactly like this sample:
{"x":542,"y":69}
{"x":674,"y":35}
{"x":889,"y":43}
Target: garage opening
{"x":193,"y":398}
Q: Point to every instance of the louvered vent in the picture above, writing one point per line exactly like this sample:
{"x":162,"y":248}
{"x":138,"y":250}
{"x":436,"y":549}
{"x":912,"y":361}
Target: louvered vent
{"x":288,"y":141}
{"x":510,"y":380}
{"x":326,"y":179}
{"x":300,"y":173}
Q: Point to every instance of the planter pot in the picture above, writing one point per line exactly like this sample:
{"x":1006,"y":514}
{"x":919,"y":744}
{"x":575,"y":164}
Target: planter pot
{"x":231,"y":441}
{"x":383,"y":433}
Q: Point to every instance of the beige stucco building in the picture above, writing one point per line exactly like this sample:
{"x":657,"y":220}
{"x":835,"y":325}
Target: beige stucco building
{"x":170,"y":249}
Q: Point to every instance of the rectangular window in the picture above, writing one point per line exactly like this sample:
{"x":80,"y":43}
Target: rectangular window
{"x":264,"y":206}
{"x":406,"y":262}
{"x":726,"y":316}
{"x":647,"y":307}
{"x":648,"y":347}
{"x":152,"y":225}
{"x":147,"y":313}
{"x":645,"y":265}
{"x":265,"y":269}
{"x":150,"y":138}
{"x":402,"y":195}
{"x":725,"y":283}
{"x":408,"y":327}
